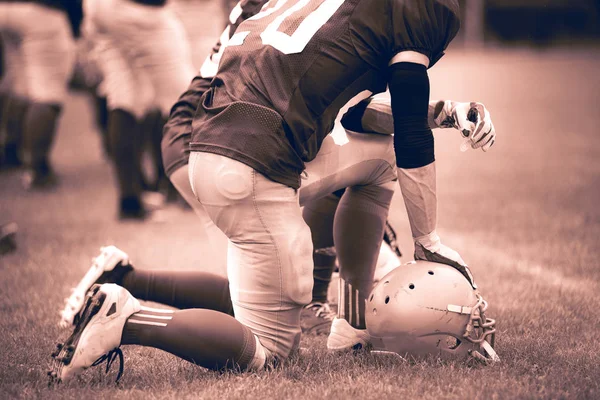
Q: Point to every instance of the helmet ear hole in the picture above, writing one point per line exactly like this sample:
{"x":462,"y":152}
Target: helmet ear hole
{"x":387,"y":299}
{"x":411,"y":286}
{"x":371,"y":298}
{"x":430,"y":272}
{"x":452,"y":343}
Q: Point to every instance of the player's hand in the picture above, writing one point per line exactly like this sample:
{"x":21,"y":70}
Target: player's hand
{"x":430,"y":248}
{"x":473,"y":120}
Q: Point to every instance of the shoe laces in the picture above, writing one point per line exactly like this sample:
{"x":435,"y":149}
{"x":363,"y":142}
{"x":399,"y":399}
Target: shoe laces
{"x":110,"y":358}
{"x":321,"y":310}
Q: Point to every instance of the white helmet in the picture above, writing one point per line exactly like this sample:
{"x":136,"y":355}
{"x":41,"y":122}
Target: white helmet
{"x":425,"y":308}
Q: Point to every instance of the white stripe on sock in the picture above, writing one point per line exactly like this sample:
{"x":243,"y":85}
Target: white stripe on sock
{"x":153,"y":316}
{"x":357,"y":309}
{"x":137,"y":321}
{"x":341,"y":299}
{"x":157,"y":310}
{"x":350,"y":303}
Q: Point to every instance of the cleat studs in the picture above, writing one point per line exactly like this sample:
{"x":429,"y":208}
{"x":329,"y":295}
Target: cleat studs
{"x":56,"y":352}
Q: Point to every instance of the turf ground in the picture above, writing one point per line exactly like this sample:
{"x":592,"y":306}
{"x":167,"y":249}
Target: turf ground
{"x":525,"y":216}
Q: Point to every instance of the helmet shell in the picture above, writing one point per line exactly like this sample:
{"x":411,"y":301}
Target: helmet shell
{"x":421,"y":308}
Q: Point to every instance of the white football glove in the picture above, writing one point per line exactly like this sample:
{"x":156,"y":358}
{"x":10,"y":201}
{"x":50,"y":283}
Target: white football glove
{"x":473,"y":120}
{"x":430,"y":248}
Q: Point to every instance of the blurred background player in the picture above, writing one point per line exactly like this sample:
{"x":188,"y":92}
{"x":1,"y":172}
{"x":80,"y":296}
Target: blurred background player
{"x":145,"y":60}
{"x":38,"y":53}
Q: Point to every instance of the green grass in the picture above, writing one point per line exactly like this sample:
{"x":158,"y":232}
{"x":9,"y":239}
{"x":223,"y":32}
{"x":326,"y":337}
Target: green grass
{"x":524,"y":216}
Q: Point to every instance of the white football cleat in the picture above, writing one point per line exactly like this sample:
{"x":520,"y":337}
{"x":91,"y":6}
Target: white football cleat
{"x":344,"y":337}
{"x":106,"y":267}
{"x":97,"y":336}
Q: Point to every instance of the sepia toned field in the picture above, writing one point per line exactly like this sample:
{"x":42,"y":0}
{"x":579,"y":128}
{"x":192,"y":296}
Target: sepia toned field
{"x":525,"y":217}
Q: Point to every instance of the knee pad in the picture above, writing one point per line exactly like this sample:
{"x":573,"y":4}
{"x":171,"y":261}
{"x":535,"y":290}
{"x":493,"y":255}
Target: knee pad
{"x":298,"y":282}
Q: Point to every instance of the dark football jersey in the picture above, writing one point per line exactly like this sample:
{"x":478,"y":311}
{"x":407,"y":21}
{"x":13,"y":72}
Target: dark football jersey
{"x":178,"y":129}
{"x":288,"y":70}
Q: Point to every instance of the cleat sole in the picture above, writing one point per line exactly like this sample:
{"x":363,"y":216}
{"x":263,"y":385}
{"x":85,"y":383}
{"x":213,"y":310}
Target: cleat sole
{"x":64,"y":353}
{"x":74,"y":304}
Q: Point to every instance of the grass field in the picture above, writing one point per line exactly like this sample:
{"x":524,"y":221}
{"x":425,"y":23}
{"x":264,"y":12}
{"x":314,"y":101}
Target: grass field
{"x":525,"y":216}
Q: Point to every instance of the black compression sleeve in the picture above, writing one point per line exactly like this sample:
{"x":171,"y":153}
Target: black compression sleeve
{"x":409,"y":91}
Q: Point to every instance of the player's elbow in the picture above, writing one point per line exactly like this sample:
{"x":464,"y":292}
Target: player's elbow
{"x":414,"y":149}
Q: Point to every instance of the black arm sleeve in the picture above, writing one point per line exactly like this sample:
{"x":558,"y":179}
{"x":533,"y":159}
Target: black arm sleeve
{"x":409,"y":91}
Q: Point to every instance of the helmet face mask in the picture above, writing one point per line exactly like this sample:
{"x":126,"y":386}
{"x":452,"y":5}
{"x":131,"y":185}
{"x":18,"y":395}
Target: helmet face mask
{"x":428,"y":309}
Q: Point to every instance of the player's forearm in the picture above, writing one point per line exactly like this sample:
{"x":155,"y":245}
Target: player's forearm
{"x":375,"y":115}
{"x":435,"y":107}
{"x":418,"y":186}
{"x":414,"y":145}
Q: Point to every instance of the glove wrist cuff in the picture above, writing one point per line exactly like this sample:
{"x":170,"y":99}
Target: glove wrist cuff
{"x":430,"y":241}
{"x":443,"y":114}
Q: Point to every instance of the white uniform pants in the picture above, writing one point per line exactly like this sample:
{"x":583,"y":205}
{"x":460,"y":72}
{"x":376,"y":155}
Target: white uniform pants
{"x":269,"y":259}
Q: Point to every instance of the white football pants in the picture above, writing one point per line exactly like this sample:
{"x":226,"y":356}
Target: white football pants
{"x":269,"y":259}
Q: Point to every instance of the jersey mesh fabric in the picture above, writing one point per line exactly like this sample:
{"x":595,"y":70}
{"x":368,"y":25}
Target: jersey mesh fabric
{"x":272,"y":110}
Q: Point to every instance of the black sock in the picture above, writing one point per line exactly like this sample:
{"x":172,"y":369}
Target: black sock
{"x":319,"y":216}
{"x":131,"y":206}
{"x":207,"y":338}
{"x":39,"y":129}
{"x":358,"y":233}
{"x":153,"y":127}
{"x":14,"y":109}
{"x":8,"y":140}
{"x":101,"y":107}
{"x":124,"y":140}
{"x":180,"y":289}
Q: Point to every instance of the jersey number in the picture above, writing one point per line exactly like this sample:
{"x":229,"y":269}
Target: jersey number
{"x":297,"y":41}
